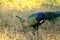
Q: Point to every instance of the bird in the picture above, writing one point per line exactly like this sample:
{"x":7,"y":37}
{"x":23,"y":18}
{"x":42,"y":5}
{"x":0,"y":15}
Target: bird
{"x":38,"y":18}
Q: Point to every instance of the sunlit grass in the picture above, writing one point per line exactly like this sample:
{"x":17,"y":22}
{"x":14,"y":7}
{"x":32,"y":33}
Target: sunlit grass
{"x":10,"y":27}
{"x":18,"y":5}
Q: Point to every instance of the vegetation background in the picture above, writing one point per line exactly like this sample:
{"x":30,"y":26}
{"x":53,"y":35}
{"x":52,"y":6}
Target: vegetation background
{"x":10,"y":27}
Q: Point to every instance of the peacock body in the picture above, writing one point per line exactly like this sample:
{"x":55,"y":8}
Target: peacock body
{"x":35,"y":18}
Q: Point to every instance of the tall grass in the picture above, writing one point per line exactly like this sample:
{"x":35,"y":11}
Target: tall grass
{"x":10,"y":28}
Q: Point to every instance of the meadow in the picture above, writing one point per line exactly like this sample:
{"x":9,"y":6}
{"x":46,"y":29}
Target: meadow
{"x":10,"y":26}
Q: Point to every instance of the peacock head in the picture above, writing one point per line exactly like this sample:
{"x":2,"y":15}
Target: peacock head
{"x":24,"y":23}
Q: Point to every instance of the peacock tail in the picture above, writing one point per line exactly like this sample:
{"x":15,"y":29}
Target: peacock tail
{"x":52,"y":16}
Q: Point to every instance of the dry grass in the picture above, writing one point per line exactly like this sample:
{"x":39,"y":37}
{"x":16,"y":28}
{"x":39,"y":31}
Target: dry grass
{"x":10,"y":28}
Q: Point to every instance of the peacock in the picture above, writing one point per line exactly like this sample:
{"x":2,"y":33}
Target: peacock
{"x":36,"y":19}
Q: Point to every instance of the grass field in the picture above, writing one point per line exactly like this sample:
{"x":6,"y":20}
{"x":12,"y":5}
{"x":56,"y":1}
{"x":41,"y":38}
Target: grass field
{"x":10,"y":28}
